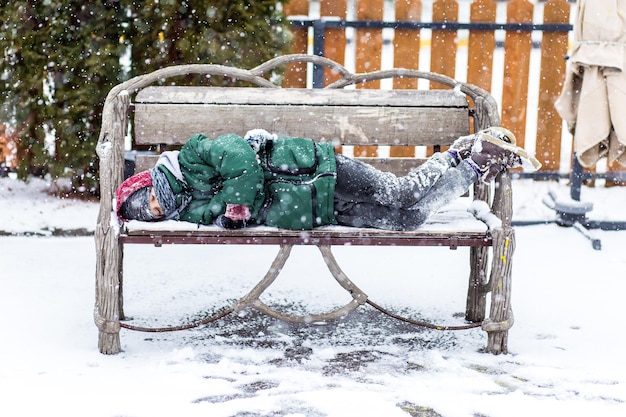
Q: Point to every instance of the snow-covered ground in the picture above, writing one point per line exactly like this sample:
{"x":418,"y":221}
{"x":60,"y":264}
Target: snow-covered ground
{"x":566,"y":347}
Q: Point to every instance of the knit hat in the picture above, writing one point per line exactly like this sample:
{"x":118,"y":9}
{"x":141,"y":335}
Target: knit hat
{"x":133,"y":196}
{"x":163,"y":192}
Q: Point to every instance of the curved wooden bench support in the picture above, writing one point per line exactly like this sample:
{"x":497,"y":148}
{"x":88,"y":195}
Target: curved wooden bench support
{"x":277,"y":265}
{"x":252,"y":298}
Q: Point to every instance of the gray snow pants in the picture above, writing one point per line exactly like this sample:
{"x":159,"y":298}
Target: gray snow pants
{"x":368,"y":197}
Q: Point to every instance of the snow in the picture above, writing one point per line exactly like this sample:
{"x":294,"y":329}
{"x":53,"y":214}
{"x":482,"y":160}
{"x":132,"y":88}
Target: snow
{"x":30,"y":208}
{"x":459,"y":216}
{"x":566,"y":347}
{"x":481,"y":210}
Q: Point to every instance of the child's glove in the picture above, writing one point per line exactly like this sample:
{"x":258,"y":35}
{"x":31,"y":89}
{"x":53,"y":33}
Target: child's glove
{"x":462,"y":148}
{"x":227,"y":223}
{"x":237,"y":212}
{"x":257,"y":137}
{"x":235,"y":217}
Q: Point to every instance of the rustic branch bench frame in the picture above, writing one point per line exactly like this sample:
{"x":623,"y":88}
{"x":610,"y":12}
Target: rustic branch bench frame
{"x":418,"y":117}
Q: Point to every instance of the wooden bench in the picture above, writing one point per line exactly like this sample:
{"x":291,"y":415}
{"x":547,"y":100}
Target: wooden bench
{"x":168,"y":116}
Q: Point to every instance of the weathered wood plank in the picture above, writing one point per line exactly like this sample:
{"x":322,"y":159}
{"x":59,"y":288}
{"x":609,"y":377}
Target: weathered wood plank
{"x":334,"y":232}
{"x":398,"y":166}
{"x":292,"y":96}
{"x":164,"y":124}
{"x":475,"y":235}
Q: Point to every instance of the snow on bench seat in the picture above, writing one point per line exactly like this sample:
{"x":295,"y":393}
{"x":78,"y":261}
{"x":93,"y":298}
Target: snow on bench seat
{"x":454,"y":225}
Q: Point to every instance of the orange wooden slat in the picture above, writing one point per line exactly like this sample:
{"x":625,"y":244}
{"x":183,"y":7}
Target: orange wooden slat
{"x":443,"y":43}
{"x":406,"y":42}
{"x":553,"y":50}
{"x":369,"y":46}
{"x":369,"y":42}
{"x":614,"y":167}
{"x":295,"y":74}
{"x":334,"y":39}
{"x":481,"y":44}
{"x":517,"y":48}
{"x":406,"y":49}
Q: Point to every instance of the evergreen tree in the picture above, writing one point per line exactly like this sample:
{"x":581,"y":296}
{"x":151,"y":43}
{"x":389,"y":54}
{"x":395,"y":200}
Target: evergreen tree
{"x":61,"y":57}
{"x":228,"y":32}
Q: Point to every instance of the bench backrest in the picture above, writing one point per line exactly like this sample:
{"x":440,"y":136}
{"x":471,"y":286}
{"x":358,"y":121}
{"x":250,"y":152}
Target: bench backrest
{"x":171,"y":115}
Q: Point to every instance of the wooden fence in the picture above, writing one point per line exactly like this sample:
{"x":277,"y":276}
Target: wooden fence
{"x":8,"y":147}
{"x":461,"y":39}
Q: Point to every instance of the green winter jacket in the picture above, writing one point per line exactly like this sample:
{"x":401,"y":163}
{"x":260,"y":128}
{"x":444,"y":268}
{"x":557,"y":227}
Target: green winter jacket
{"x":290,"y":183}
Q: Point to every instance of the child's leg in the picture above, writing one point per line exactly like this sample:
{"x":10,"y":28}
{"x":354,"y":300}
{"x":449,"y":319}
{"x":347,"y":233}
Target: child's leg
{"x":377,"y":216}
{"x":358,"y":182}
{"x":450,"y":185}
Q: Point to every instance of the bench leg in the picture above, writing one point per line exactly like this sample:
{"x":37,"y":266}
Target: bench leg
{"x":501,"y":314}
{"x":107,"y":311}
{"x":478,"y":287}
{"x":110,"y":150}
{"x":477,"y":290}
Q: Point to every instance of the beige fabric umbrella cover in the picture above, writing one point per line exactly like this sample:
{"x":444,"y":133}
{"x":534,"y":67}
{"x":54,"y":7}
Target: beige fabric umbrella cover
{"x":593,"y":99}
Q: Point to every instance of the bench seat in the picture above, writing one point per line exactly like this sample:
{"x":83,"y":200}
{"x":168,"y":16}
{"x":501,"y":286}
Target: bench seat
{"x":452,"y":226}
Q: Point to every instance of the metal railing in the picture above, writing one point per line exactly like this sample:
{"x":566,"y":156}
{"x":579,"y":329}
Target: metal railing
{"x":321,"y":25}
